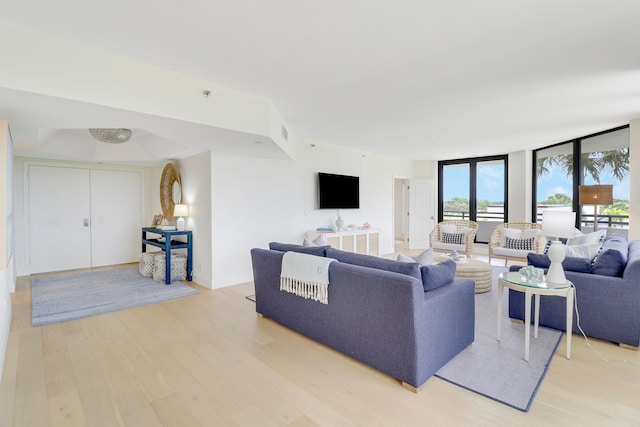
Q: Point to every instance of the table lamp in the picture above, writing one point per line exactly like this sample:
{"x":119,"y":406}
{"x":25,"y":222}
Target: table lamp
{"x":180,"y":211}
{"x":556,"y":224}
{"x":595,"y":195}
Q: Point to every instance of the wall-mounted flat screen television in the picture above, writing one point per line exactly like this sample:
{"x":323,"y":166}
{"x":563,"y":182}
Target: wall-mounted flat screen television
{"x":338,"y":191}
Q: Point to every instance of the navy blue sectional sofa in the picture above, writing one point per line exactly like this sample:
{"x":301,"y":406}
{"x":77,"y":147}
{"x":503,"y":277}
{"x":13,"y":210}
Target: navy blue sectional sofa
{"x":607,"y":293}
{"x":378,"y":311}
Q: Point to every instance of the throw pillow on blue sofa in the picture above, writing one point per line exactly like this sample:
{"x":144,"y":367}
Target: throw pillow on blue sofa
{"x":408,"y":268}
{"x":579,"y":265}
{"x":311,"y":250}
{"x":437,"y":275}
{"x":613,"y":256}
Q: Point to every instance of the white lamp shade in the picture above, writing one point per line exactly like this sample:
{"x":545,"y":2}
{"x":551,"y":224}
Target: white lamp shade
{"x":558,"y":223}
{"x":181,"y":210}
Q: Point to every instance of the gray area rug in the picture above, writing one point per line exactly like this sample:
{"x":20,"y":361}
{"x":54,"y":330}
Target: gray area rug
{"x":74,"y":296}
{"x":497,"y":369}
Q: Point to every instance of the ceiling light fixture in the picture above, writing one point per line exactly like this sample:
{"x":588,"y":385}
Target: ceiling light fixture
{"x":111,"y":136}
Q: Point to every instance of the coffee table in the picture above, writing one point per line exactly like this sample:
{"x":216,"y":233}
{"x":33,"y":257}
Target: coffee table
{"x":479,"y":271}
{"x":513,"y":280}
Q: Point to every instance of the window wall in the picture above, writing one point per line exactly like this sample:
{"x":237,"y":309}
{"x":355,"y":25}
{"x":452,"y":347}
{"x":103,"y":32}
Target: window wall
{"x":474,"y":189}
{"x":601,"y":158}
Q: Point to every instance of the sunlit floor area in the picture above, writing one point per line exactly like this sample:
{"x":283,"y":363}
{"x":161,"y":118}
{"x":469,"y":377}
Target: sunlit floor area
{"x":208,"y":360}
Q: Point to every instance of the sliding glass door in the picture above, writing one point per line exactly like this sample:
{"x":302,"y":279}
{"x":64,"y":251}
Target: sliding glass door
{"x":474,"y":189}
{"x":598,"y":159}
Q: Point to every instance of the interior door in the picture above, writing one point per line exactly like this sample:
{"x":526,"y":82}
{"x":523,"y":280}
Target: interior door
{"x":421,"y":215}
{"x":59,"y":219}
{"x":116,"y":217}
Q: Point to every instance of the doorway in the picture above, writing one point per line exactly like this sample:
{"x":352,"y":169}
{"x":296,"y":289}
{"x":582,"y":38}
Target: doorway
{"x":82,"y":218}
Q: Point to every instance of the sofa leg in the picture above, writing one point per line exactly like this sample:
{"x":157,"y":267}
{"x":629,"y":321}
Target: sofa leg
{"x":260,"y":315}
{"x":517,"y":321}
{"x":627,"y":346}
{"x":410,"y":387}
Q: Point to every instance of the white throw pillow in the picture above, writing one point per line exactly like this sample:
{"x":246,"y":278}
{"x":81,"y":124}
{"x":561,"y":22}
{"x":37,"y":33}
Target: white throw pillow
{"x":595,"y":237}
{"x":321,"y":240}
{"x":466,"y":230}
{"x":425,"y":258}
{"x":588,"y":250}
{"x":308,"y":243}
{"x":531,"y":232}
{"x":448,"y":228}
{"x":514,"y":233}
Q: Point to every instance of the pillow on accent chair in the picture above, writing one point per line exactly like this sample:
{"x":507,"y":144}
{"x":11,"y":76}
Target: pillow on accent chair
{"x":514,"y":233}
{"x":519,"y":244}
{"x":453,"y":238}
{"x":448,"y":228}
{"x":437,"y":275}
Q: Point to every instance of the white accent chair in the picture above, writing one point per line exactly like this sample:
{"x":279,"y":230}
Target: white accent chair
{"x":515,"y":230}
{"x":466,"y":227}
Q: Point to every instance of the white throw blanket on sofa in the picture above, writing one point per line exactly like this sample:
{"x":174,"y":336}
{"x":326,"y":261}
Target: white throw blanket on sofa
{"x":306,"y":275}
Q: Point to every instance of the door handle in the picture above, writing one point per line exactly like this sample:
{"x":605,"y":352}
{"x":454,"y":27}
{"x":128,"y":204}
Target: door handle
{"x":85,"y":222}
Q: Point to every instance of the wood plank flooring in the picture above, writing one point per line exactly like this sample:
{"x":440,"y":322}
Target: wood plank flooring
{"x":208,"y":360}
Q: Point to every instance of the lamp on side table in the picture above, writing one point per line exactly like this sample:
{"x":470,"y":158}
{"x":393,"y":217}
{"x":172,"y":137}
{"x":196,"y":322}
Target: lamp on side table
{"x":556,"y":224}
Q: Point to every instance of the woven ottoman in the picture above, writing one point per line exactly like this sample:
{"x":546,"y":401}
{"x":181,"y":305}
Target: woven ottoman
{"x":479,"y":271}
{"x":178,"y":267}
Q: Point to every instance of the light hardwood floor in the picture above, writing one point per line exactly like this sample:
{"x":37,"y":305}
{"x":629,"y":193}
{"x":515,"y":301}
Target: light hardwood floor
{"x":208,"y":360}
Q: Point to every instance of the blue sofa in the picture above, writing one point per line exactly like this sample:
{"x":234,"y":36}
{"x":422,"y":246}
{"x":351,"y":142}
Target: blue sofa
{"x":378,"y":311}
{"x":607,"y":293}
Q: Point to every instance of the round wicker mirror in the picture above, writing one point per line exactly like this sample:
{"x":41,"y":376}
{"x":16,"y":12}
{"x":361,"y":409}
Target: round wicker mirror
{"x":170,"y":191}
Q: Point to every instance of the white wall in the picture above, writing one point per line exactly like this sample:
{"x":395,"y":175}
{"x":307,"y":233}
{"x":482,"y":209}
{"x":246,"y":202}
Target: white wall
{"x":258,"y":200}
{"x":195,"y":176}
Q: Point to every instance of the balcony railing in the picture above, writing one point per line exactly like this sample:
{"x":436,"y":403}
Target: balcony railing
{"x":604,"y":220}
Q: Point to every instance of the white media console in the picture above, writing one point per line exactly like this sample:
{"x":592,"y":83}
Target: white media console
{"x":354,"y":240}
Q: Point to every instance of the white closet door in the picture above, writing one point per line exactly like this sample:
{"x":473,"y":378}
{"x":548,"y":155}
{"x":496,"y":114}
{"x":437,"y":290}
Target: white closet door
{"x":116,"y":211}
{"x":421,"y":214}
{"x":59,"y":205}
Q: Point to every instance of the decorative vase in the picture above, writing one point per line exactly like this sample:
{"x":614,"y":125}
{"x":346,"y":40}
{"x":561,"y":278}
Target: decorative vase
{"x":339,"y":223}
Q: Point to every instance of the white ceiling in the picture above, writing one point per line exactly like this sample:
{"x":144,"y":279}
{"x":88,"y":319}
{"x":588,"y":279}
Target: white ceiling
{"x":414,"y":79}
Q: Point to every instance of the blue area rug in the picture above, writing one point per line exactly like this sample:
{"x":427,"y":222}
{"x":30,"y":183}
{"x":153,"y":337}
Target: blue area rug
{"x":74,"y":296}
{"x":497,"y":369}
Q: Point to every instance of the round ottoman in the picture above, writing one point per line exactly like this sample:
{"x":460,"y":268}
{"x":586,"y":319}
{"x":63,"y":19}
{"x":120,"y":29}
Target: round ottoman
{"x":479,"y":271}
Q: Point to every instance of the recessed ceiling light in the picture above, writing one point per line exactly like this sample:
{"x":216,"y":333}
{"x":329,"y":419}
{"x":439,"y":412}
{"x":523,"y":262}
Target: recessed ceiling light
{"x":206,"y":93}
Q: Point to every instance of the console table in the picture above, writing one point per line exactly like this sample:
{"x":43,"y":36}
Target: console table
{"x":354,"y":234}
{"x":167,"y":245}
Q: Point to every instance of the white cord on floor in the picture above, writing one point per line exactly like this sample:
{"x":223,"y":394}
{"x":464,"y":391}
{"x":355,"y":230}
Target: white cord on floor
{"x":575,"y":301}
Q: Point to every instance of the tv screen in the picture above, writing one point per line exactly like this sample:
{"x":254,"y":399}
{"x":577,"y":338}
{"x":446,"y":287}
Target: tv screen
{"x":338,"y":191}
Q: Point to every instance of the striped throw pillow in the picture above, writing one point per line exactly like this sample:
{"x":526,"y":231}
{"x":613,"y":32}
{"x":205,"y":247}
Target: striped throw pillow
{"x":454,"y":238}
{"x":520,"y":244}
